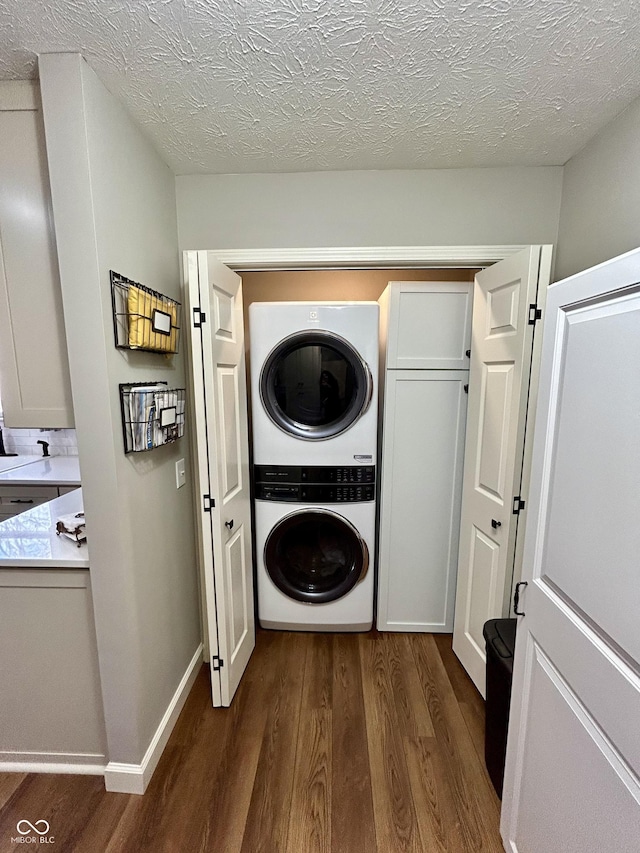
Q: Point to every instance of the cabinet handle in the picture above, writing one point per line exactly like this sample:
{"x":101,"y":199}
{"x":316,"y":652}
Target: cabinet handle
{"x":21,"y":501}
{"x":229,"y":524}
{"x":495,"y":524}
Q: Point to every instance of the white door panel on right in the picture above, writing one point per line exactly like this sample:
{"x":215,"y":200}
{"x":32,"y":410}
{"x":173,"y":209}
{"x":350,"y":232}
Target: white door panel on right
{"x":603,"y":532}
{"x":498,"y":392}
{"x":574,"y":797}
{"x":572,"y":779}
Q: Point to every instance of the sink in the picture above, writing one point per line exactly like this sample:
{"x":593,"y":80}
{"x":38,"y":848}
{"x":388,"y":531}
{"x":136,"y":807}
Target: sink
{"x":7,"y":463}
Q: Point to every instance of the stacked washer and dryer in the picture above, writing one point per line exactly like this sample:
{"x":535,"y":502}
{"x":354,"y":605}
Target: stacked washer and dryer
{"x":314,"y":385}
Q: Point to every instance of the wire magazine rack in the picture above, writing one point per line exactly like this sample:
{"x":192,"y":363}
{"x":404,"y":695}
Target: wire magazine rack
{"x":143,"y":319}
{"x":152,"y":415}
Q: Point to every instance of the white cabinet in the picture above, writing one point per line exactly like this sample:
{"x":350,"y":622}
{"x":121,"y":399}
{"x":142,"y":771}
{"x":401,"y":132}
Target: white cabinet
{"x":50,"y":703}
{"x":429,"y":325}
{"x":423,"y":430}
{"x":34,"y":369}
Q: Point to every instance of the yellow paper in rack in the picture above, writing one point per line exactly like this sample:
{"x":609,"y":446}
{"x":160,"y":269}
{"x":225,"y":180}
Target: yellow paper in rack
{"x":141,"y":306}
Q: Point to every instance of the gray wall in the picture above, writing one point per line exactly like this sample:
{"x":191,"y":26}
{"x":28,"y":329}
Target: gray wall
{"x":393,"y":208}
{"x":600,"y":214}
{"x":114,"y":208}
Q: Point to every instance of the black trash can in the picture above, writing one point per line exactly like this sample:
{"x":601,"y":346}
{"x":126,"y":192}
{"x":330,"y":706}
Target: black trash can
{"x":500,"y":637}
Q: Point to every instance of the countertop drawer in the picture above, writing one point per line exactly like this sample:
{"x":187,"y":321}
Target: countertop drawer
{"x":9,"y":494}
{"x":17,"y":499}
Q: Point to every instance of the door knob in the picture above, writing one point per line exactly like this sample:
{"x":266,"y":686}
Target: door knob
{"x":229,"y":524}
{"x":495,"y":524}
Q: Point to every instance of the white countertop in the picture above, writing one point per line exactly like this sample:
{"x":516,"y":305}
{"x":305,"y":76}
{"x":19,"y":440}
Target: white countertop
{"x":42,"y":471}
{"x":7,"y":462}
{"x":30,"y":541}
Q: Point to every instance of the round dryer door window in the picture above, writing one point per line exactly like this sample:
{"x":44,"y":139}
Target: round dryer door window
{"x":315,"y":556}
{"x":314,"y":385}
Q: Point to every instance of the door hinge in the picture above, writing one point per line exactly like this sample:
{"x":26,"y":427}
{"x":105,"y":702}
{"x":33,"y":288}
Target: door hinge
{"x":199,"y":317}
{"x":518,"y":505}
{"x":216,"y":663}
{"x":466,"y":389}
{"x":208,"y":502}
{"x":535,"y":314}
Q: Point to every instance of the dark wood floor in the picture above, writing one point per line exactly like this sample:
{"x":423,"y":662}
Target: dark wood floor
{"x":335,"y":742}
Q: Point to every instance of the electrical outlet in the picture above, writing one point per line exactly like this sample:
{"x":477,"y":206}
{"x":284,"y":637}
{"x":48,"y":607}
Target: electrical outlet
{"x":181,"y":474}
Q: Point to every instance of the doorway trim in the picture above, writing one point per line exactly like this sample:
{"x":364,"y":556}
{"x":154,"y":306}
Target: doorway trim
{"x":366,"y":257}
{"x":376,"y":257}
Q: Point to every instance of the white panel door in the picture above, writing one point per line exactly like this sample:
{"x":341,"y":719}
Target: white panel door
{"x":501,"y":350}
{"x":572,"y":778}
{"x":423,"y":451}
{"x":222,"y":456}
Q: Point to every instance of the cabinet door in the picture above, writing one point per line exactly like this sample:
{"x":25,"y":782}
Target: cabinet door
{"x":34,"y":369}
{"x":51,"y":703}
{"x":429,"y":325}
{"x":423,"y":447}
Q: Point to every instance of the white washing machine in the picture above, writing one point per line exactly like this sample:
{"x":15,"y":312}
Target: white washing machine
{"x":315,"y":551}
{"x":314,"y":382}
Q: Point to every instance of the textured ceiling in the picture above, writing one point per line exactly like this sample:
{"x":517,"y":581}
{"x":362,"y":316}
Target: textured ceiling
{"x":298,"y":85}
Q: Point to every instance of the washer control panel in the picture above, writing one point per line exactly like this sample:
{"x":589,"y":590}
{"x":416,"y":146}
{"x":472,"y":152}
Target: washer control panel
{"x":314,"y":484}
{"x":314,"y":474}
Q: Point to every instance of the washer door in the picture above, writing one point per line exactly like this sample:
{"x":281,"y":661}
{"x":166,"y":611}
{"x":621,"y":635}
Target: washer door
{"x":314,"y":385}
{"x":315,"y":556}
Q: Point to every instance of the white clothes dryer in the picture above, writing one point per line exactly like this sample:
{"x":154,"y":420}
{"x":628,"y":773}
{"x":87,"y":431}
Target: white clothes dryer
{"x":315,"y":538}
{"x":314,"y":382}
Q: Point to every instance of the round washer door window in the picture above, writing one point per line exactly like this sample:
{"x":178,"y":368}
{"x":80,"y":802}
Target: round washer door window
{"x":315,"y":556}
{"x":314,"y":385}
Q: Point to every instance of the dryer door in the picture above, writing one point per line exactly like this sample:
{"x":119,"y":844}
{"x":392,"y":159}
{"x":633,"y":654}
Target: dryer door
{"x":314,"y":385}
{"x":315,"y":556}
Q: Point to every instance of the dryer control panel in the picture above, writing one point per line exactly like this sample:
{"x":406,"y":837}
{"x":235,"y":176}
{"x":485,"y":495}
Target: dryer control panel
{"x":315,"y":483}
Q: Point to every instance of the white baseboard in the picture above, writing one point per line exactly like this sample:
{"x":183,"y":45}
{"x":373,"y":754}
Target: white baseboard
{"x":134,"y":778}
{"x":45,"y":763}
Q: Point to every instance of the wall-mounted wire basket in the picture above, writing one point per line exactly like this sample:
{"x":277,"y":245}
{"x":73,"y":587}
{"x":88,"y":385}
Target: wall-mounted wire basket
{"x":143,"y":319}
{"x":152,"y":415}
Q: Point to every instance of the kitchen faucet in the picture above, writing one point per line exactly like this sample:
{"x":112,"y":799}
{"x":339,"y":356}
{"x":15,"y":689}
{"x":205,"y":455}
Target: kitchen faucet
{"x":3,"y":452}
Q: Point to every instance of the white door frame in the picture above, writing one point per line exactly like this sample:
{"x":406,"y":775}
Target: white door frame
{"x":365,"y":257}
{"x":374,"y":257}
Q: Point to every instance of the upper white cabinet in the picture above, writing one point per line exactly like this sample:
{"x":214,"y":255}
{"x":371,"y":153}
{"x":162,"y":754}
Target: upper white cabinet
{"x":429,"y":325}
{"x":34,"y":368}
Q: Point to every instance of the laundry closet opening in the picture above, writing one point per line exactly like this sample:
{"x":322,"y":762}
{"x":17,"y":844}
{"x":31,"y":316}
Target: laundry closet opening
{"x":445,"y":362}
{"x":432,"y":435}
